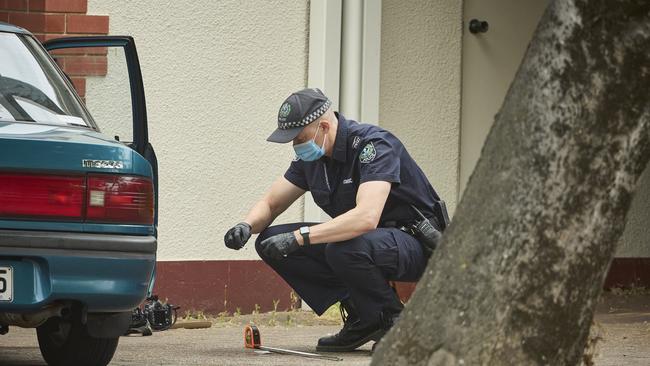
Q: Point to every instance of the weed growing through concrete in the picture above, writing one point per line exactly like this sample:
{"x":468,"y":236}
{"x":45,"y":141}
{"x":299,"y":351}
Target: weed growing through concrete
{"x":292,"y":317}
{"x":294,"y":300}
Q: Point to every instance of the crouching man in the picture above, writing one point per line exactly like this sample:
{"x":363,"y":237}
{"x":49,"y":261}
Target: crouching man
{"x":363,"y":177}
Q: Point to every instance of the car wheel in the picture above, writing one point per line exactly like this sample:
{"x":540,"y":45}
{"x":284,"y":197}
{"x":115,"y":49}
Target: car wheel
{"x":66,"y":343}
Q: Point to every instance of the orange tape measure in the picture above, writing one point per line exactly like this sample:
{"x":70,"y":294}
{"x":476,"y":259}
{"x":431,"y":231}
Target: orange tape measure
{"x":253,"y":340}
{"x":252,"y":337}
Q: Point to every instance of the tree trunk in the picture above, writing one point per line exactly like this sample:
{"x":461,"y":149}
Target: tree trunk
{"x":520,"y":269}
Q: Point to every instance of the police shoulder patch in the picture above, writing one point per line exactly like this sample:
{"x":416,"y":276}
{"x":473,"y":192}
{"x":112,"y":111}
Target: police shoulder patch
{"x":368,"y":153}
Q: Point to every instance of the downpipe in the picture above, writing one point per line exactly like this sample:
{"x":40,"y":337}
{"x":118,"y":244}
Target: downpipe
{"x":32,"y":320}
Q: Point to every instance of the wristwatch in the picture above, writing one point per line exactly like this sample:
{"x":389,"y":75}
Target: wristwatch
{"x":304,"y":231}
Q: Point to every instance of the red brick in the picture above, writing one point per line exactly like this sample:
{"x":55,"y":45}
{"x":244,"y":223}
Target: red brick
{"x":41,"y":23}
{"x":4,"y":17}
{"x":93,"y":24}
{"x":82,"y":51}
{"x":15,"y":5}
{"x":47,"y":37}
{"x":80,"y":86}
{"x":60,"y":61}
{"x":40,"y":37}
{"x":59,"y":6}
{"x":85,"y":65}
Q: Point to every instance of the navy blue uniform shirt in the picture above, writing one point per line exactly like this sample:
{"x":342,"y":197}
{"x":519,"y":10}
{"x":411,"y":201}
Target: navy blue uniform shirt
{"x":364,"y":153}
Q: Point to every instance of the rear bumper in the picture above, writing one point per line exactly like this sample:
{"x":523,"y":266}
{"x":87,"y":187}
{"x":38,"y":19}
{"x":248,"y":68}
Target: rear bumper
{"x":107,"y":273}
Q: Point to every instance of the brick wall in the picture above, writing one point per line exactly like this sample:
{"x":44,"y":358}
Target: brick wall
{"x":49,"y":19}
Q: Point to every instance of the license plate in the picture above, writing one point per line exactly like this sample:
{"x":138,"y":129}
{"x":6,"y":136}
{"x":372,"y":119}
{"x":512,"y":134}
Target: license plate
{"x":6,"y":284}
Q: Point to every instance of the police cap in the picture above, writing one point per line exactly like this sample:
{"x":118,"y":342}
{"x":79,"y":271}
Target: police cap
{"x":298,"y":110}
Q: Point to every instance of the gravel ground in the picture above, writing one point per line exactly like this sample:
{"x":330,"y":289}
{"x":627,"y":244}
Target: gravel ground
{"x":623,"y":325}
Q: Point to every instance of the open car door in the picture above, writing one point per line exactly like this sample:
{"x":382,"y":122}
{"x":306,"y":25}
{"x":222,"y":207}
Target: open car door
{"x":140,"y":137}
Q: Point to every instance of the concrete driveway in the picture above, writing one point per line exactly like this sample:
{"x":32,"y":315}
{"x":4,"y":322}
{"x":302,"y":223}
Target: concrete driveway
{"x":214,"y":346}
{"x":623,"y":325}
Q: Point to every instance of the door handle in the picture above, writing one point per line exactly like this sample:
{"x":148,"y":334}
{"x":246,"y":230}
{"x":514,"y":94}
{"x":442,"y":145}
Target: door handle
{"x":478,"y":26}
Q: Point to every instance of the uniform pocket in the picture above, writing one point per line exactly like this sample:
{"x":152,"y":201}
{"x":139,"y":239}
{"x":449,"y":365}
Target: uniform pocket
{"x":412,"y":260}
{"x":385,"y":254}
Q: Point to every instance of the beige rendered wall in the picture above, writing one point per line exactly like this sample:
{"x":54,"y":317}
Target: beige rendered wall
{"x":420,"y":85}
{"x":215,"y":73}
{"x":635,"y":242}
{"x":490,"y":62}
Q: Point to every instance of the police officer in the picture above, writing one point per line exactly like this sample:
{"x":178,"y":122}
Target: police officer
{"x":363,"y":177}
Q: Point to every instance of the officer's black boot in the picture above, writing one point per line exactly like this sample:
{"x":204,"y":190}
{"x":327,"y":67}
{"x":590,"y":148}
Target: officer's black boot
{"x":354,"y":334}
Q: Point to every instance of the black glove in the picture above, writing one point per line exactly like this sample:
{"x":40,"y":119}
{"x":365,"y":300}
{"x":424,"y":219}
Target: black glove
{"x":236,"y":237}
{"x":279,"y":246}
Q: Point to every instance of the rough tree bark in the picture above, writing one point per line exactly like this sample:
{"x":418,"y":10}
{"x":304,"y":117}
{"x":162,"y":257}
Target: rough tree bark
{"x":520,"y":270}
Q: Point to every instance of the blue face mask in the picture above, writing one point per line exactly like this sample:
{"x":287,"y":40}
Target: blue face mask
{"x":310,"y":151}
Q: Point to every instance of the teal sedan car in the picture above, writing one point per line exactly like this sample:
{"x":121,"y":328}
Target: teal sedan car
{"x":78,"y":211}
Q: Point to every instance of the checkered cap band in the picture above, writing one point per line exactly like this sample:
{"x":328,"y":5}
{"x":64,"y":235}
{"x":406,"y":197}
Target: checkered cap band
{"x":308,"y":118}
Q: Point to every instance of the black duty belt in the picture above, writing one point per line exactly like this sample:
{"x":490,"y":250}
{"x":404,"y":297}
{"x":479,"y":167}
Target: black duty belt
{"x":399,"y":224}
{"x":427,"y":231}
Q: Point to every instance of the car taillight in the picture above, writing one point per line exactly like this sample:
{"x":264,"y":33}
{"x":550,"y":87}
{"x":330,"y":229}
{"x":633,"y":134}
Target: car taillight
{"x":41,"y":196}
{"x":96,"y":198}
{"x":123,"y":199}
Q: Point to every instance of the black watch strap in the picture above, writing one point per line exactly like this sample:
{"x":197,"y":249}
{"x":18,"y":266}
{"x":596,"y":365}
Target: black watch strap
{"x":305,"y":235}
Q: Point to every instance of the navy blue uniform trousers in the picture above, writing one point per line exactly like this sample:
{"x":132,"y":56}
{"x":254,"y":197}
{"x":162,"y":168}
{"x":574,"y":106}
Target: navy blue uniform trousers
{"x":358,"y":269}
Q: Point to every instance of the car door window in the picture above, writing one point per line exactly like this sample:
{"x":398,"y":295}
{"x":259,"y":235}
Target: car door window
{"x":110,"y":70}
{"x":108,"y":97}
